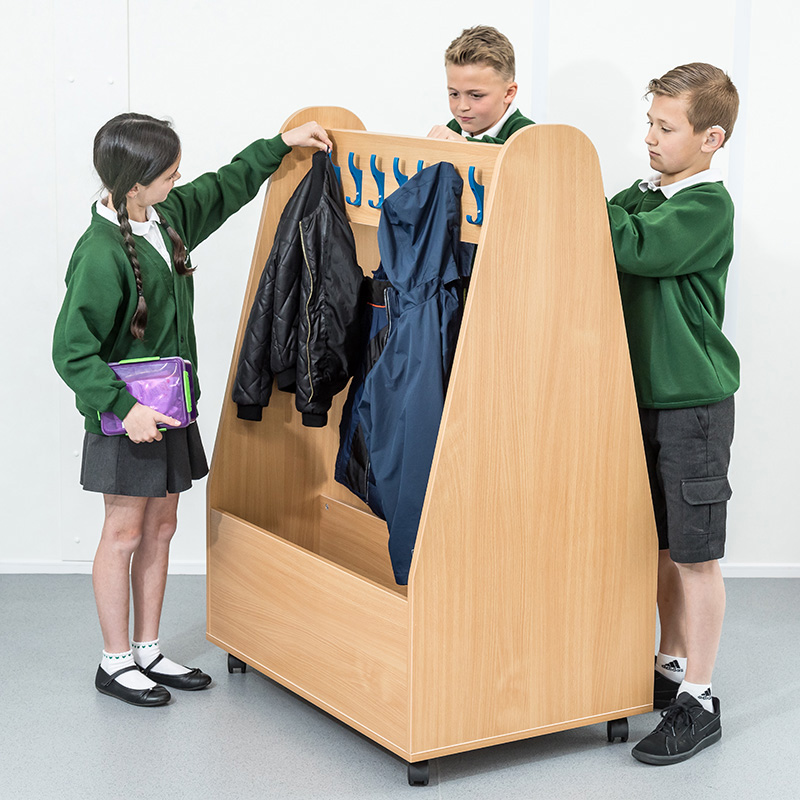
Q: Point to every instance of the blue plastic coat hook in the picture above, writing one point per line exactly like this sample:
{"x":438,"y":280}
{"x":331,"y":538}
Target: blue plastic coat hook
{"x":477,"y":190}
{"x":420,"y":165}
{"x":356,"y":173}
{"x":336,"y":169}
{"x":380,"y":178}
{"x":398,"y":176}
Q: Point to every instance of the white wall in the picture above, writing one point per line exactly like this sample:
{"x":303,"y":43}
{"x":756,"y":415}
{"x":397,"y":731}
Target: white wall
{"x":228,"y":73}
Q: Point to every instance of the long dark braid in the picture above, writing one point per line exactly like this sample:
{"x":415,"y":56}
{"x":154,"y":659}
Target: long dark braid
{"x":130,"y":149}
{"x":178,"y":247}
{"x":139,"y":319}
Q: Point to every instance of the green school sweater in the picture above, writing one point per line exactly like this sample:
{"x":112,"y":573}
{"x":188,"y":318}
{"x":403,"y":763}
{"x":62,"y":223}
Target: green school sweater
{"x":514,"y":123}
{"x":672,"y":259}
{"x":93,"y":326}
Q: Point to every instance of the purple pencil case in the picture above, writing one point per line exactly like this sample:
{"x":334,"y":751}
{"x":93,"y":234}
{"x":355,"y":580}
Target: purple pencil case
{"x":165,"y":384}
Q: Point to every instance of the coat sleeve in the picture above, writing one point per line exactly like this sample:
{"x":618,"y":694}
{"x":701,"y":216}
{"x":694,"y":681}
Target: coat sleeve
{"x":93,"y":307}
{"x":252,"y":387}
{"x":199,"y":208}
{"x":685,"y":234}
{"x":271,"y":327}
{"x":329,"y":319}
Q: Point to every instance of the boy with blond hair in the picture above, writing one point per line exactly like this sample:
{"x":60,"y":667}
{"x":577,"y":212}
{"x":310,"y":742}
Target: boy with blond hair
{"x":673,"y":243}
{"x":480,"y":83}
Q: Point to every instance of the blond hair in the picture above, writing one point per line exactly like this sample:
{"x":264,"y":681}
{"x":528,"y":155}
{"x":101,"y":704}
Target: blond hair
{"x":482,"y":45}
{"x":712,"y":98}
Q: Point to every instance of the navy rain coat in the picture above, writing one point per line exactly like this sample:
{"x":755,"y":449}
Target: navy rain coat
{"x":352,"y":461}
{"x":401,"y":406}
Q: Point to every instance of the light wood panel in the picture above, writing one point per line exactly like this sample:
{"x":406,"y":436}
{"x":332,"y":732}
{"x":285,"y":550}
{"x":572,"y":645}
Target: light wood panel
{"x":357,"y":540}
{"x":536,"y":553}
{"x":333,"y":637}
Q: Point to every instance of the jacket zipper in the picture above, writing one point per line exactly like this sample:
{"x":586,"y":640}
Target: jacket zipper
{"x":308,"y":316}
{"x":368,"y":467}
{"x":388,"y":311}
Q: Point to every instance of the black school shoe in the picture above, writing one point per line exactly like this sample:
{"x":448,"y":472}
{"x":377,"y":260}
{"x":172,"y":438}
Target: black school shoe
{"x":108,"y":684}
{"x":686,"y":728}
{"x":188,"y":681}
{"x":664,"y":691}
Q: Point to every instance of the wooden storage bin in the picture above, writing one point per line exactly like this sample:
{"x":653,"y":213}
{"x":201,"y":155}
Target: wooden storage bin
{"x":536,"y":551}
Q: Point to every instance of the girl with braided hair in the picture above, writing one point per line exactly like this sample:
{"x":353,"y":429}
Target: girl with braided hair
{"x":130,"y":295}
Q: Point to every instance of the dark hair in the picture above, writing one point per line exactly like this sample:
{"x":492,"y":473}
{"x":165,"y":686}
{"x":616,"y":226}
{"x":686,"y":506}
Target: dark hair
{"x":130,"y":149}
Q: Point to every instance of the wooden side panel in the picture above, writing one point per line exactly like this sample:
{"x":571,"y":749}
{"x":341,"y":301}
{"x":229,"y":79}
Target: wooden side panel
{"x":334,"y":638}
{"x":357,"y":540}
{"x":532,"y":590}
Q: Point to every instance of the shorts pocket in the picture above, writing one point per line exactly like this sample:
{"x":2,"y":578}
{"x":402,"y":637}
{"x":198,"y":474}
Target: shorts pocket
{"x":704,"y":491}
{"x":706,"y":498}
{"x":702,"y":415}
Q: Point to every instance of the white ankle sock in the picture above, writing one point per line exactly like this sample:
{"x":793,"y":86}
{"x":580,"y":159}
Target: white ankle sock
{"x":145,"y":653}
{"x":700,"y":691}
{"x":132,"y":680}
{"x":672,"y":667}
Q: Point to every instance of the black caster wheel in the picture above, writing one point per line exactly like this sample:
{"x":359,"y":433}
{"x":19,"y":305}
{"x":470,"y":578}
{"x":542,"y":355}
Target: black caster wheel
{"x":617,"y":729}
{"x":235,"y":665}
{"x":419,"y":773}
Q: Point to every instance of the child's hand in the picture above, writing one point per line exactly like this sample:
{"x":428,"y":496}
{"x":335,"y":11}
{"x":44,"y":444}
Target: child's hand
{"x":140,"y":424}
{"x":309,"y":135}
{"x":443,"y":132}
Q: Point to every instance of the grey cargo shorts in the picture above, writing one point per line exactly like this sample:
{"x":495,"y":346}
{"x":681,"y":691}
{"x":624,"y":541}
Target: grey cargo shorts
{"x":688,"y":452}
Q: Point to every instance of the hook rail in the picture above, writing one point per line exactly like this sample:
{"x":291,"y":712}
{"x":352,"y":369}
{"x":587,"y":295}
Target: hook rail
{"x":474,"y":162}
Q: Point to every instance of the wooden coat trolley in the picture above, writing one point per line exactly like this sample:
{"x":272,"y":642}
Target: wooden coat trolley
{"x":530,"y":602}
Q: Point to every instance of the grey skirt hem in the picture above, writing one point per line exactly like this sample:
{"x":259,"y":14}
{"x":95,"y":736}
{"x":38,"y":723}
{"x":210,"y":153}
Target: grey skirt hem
{"x":115,"y":465}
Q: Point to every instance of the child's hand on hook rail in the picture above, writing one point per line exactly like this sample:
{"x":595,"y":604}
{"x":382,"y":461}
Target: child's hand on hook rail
{"x":309,"y":135}
{"x":443,"y":132}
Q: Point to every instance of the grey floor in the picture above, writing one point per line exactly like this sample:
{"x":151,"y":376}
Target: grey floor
{"x":246,"y":737}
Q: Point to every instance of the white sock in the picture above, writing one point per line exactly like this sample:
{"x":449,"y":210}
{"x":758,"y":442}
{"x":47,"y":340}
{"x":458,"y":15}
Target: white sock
{"x":700,"y":691}
{"x":145,"y":653}
{"x":672,"y":667}
{"x":132,"y":680}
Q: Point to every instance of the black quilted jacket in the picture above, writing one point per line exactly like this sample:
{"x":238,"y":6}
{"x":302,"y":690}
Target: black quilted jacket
{"x":304,"y":326}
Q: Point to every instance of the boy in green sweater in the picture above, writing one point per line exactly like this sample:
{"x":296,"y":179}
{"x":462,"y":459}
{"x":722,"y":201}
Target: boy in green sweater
{"x":480,"y":84}
{"x":673,"y":243}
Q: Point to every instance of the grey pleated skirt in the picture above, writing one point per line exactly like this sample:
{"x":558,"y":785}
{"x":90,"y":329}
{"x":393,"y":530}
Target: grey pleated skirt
{"x":115,"y":465}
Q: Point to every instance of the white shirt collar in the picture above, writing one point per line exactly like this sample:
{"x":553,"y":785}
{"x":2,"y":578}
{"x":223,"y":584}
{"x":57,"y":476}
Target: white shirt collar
{"x":138,"y":228}
{"x":653,"y":184}
{"x":495,"y":129}
{"x":149,"y":230}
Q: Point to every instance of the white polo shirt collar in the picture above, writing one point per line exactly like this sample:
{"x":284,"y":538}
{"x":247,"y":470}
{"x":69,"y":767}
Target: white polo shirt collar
{"x":653,"y":184}
{"x":495,"y":129}
{"x":149,"y":230}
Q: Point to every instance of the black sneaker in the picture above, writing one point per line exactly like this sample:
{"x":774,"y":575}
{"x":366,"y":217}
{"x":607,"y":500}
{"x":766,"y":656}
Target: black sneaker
{"x":685,"y":729}
{"x":664,"y":690}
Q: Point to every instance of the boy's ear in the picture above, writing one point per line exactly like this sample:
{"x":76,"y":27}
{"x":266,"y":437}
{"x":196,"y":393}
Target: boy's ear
{"x":714,"y":139}
{"x":511,"y":92}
